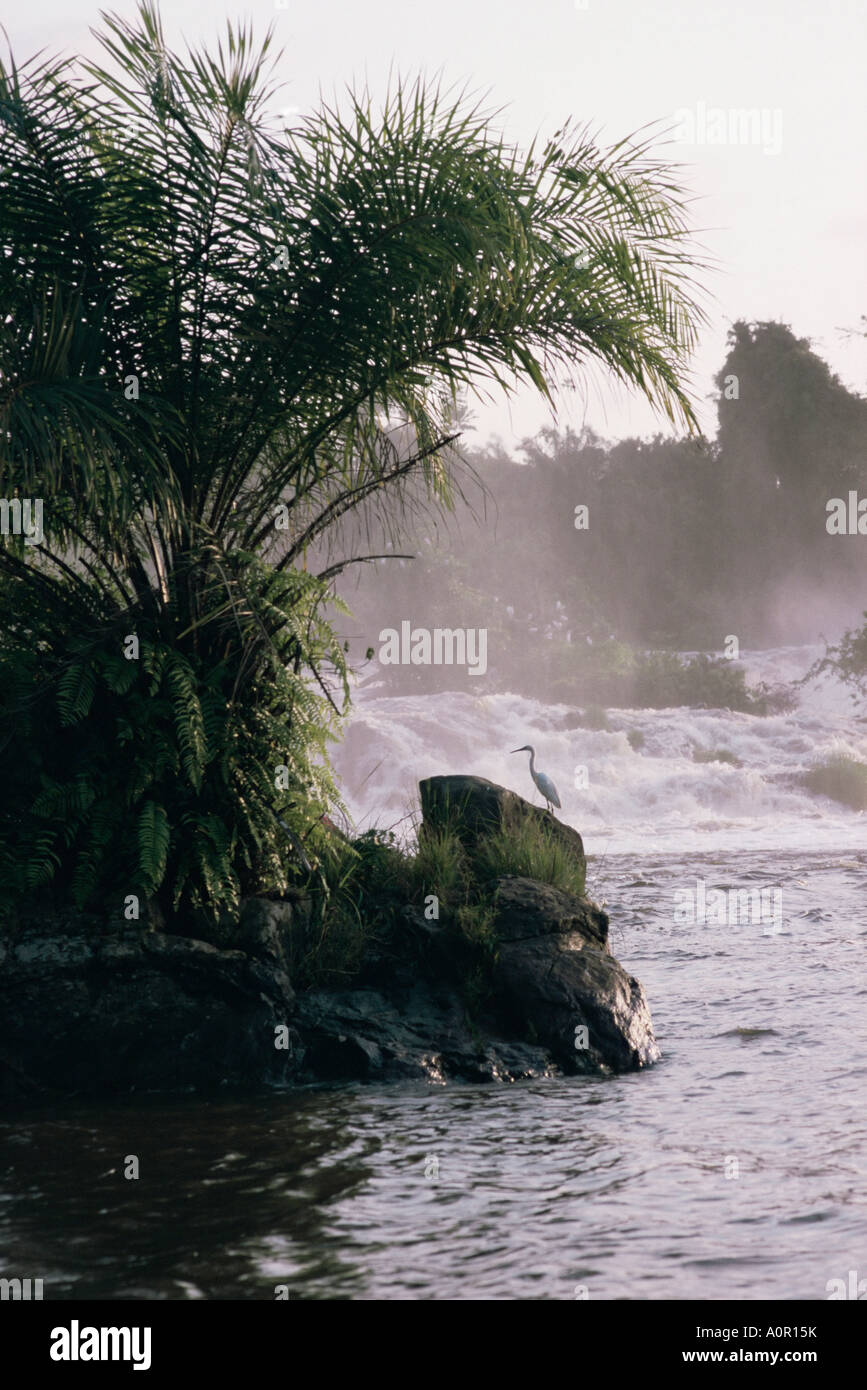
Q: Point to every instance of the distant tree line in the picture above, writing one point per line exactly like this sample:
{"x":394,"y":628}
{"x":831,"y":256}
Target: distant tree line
{"x":683,"y":543}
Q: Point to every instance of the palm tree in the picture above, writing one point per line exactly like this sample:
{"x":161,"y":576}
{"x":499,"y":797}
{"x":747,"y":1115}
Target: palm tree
{"x":219,"y":339}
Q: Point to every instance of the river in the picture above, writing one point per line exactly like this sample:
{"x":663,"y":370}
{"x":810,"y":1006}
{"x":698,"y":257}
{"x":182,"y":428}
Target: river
{"x":735,"y":1168}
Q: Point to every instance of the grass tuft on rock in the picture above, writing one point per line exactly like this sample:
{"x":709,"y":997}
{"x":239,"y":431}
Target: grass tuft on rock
{"x":529,"y":851}
{"x":371,"y":880}
{"x":363,"y":885}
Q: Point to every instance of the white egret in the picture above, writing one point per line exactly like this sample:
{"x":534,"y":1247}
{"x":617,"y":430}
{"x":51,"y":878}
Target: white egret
{"x":542,"y":780}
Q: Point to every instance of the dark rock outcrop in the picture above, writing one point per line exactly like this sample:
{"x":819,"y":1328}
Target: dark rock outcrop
{"x":93,"y":1008}
{"x":138,"y":1011}
{"x":473,"y":806}
{"x":556,"y":1002}
{"x":417,"y":1034}
{"x":556,"y":980}
{"x":275,"y":932}
{"x":527,"y":909}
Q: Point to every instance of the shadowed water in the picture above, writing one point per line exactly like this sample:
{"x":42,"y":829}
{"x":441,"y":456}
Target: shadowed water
{"x":734,"y":1168}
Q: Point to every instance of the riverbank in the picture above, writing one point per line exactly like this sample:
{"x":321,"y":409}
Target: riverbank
{"x":476,"y":974}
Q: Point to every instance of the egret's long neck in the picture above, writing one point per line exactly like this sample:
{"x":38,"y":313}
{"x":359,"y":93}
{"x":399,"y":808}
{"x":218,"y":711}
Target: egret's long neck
{"x":532,"y":762}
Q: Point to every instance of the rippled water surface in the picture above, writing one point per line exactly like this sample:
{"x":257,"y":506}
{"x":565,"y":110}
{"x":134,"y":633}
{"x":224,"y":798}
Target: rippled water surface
{"x":734,"y":1168}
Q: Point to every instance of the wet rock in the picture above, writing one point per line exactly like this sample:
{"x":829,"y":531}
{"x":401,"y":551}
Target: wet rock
{"x":273,"y":930}
{"x":91,"y":1005}
{"x":550,"y":977}
{"x":527,"y":909}
{"x":474,"y":807}
{"x":422,"y":1034}
{"x":556,"y":981}
{"x":138,"y":1011}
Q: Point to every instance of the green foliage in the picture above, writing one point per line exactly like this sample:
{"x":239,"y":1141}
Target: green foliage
{"x":364,"y":884}
{"x":687,"y":541}
{"x":530,"y":850}
{"x":664,"y":679}
{"x":151,"y":776}
{"x":847,"y":661}
{"x":219,"y":341}
{"x":440,"y":866}
{"x":841,"y":778}
{"x":476,"y":921}
{"x":464,"y":880}
{"x":153,"y":844}
{"x":460,"y":875}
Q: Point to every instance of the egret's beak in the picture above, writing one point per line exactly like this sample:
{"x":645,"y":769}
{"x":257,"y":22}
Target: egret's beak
{"x":519,"y":750}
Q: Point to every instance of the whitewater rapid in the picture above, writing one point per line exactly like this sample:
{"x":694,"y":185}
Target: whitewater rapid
{"x":648,"y":799}
{"x":734,"y":1168}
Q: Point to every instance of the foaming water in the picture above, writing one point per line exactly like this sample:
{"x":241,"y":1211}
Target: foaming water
{"x":735,"y":1168}
{"x":657,"y":796}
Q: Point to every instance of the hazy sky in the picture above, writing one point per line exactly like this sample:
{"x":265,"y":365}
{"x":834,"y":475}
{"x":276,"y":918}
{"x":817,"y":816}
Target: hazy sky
{"x":784,"y":215}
